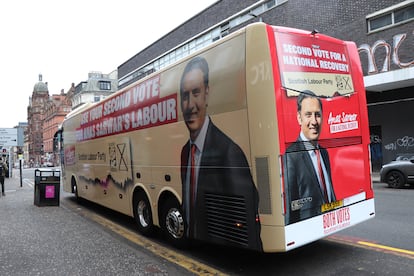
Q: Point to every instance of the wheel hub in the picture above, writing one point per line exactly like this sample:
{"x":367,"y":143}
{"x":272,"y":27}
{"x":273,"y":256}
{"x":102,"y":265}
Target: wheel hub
{"x":175,"y":223}
{"x":142,"y":213}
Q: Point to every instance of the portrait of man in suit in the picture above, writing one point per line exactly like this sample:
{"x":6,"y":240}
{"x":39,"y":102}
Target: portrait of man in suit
{"x":214,"y":169}
{"x":307,"y":171}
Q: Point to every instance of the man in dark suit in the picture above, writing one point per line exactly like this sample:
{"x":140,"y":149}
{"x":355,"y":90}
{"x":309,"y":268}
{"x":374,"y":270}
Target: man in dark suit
{"x":220,"y":200}
{"x":307,"y":171}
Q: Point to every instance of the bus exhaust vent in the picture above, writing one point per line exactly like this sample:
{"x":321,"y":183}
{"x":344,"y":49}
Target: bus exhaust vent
{"x":263,"y":185}
{"x":226,"y":218}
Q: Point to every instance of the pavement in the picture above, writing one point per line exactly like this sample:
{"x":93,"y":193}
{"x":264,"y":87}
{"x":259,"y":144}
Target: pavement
{"x":55,"y":240}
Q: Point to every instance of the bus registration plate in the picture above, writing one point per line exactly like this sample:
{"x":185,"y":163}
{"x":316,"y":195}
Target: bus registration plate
{"x":332,"y":205}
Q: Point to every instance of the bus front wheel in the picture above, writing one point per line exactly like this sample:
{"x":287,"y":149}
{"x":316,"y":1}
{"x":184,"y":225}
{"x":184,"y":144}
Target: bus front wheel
{"x":75,"y":189}
{"x":172,"y":223}
{"x":142,"y":214}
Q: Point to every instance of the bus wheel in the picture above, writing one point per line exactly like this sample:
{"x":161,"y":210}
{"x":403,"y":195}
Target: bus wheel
{"x":142,"y":214}
{"x":172,"y":223}
{"x":75,"y":189}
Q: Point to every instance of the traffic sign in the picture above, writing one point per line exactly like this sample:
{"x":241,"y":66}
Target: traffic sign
{"x":8,"y":137}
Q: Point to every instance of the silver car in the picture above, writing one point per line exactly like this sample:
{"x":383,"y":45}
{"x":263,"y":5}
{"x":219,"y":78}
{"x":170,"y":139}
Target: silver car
{"x":398,"y":173}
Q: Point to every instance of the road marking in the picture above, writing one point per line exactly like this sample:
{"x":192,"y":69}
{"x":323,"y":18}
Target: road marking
{"x":387,"y":248}
{"x":371,"y":245}
{"x":170,"y":255}
{"x":28,"y":182}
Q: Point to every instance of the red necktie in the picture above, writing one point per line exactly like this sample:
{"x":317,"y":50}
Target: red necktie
{"x":321,"y":175}
{"x":192,"y":175}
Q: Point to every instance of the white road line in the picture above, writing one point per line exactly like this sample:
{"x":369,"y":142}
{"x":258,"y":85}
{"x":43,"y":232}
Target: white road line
{"x":28,"y":182}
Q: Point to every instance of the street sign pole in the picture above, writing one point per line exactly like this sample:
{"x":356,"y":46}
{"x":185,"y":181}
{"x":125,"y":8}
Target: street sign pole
{"x":21,"y":173}
{"x":8,"y":139}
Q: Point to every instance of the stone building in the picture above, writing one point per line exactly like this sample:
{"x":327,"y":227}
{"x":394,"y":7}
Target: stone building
{"x":97,"y":87}
{"x":35,"y":117}
{"x":55,"y":110}
{"x":44,"y":115}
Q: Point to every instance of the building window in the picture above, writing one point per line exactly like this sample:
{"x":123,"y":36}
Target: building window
{"x":379,"y":22}
{"x":404,"y":14}
{"x":105,"y":85}
{"x":392,"y":16}
{"x":96,"y":98}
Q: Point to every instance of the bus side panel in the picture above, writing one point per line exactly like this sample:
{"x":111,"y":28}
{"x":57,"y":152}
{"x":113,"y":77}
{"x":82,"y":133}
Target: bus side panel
{"x":227,"y":193}
{"x":156,"y":162}
{"x":104,"y":173}
{"x":67,"y":166}
{"x":149,"y":114}
{"x":264,"y":135}
{"x":70,"y":165}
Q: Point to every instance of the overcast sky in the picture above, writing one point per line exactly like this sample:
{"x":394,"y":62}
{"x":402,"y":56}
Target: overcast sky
{"x":65,"y":40}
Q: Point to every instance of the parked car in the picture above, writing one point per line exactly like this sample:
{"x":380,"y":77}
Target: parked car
{"x":398,"y":173}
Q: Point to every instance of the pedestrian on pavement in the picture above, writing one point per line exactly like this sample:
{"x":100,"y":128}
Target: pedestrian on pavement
{"x":3,"y":169}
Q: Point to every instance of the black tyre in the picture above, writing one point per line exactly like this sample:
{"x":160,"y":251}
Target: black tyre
{"x":173,"y":223}
{"x":75,"y":189}
{"x":143,"y":214}
{"x":395,"y":179}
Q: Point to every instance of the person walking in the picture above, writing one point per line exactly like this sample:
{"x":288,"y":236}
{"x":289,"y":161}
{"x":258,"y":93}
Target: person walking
{"x":3,"y":169}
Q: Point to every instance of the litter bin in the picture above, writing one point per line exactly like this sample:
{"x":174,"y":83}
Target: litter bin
{"x":47,"y":187}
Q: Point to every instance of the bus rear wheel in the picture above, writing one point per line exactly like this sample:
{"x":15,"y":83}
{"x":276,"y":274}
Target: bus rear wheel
{"x":173,"y":224}
{"x":143,"y":214}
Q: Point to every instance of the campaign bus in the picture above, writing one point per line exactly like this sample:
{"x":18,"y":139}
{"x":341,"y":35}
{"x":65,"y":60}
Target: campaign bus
{"x":259,"y":140}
